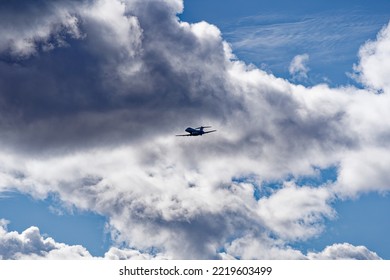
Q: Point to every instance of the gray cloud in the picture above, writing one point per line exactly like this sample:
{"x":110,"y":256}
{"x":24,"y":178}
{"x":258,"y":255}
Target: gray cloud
{"x":94,"y":120}
{"x":126,"y":76}
{"x":22,"y":37}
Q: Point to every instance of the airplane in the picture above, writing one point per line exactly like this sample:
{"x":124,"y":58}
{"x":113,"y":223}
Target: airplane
{"x":196,"y":131}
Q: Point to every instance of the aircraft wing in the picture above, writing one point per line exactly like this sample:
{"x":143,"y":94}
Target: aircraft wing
{"x":184,"y":135}
{"x":209,"y":131}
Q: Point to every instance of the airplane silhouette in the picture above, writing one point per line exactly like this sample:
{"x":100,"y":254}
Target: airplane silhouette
{"x":196,"y":131}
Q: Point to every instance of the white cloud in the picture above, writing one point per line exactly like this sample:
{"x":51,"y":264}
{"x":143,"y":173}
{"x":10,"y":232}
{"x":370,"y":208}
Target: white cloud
{"x":128,"y":254}
{"x":364,"y":171}
{"x":344,"y":251}
{"x":298,"y":67}
{"x":263,"y":247}
{"x":296,"y":212}
{"x":250,"y":247}
{"x":108,"y":21}
{"x":30,"y":244}
{"x":99,"y":132}
{"x":373,"y":69}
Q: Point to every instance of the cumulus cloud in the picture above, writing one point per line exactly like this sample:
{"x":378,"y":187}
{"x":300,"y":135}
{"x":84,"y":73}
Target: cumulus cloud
{"x":93,"y":120}
{"x":344,"y":251}
{"x":298,"y":67}
{"x":51,"y":27}
{"x":261,"y":247}
{"x":296,"y":212}
{"x":373,"y":69}
{"x":250,"y":247}
{"x":30,"y":244}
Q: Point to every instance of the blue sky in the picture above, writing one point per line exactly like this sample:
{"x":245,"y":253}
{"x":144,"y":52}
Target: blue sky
{"x":270,"y":34}
{"x":70,"y":227}
{"x":93,"y":91}
{"x":361,"y":221}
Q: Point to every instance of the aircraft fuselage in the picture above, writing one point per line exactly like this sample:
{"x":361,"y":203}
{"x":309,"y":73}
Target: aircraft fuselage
{"x":194,"y":132}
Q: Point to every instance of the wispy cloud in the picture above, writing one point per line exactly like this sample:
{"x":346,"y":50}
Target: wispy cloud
{"x":298,"y":67}
{"x":327,"y":38}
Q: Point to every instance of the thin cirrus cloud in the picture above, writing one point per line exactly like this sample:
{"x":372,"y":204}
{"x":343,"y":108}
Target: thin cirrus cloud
{"x":271,"y":40}
{"x":93,"y":120}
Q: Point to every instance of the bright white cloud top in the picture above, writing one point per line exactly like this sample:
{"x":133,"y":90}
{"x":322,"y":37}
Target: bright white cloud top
{"x":93,"y":92}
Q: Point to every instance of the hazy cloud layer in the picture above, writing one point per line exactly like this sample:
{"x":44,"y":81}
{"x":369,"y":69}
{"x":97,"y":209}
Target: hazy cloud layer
{"x":93,"y":120}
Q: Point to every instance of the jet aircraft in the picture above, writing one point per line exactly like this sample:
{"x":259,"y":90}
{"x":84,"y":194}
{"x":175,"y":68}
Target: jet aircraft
{"x":196,"y":131}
